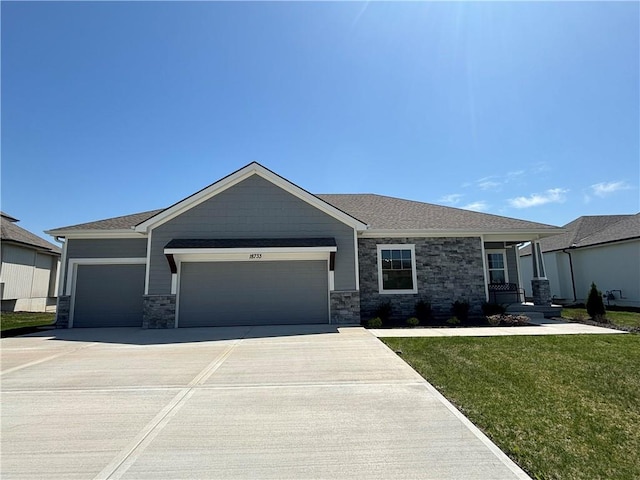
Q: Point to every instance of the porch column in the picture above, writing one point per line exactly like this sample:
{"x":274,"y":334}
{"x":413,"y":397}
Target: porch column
{"x":539,"y":284}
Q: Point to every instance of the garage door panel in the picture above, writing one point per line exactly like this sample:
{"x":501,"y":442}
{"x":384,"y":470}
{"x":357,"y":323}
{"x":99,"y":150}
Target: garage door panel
{"x":108,"y":296}
{"x":253,"y":293}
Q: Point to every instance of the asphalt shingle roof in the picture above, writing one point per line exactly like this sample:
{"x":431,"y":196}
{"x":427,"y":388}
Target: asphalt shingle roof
{"x":592,"y":230}
{"x":382,"y":212}
{"x":124,"y":222}
{"x":10,"y":232}
{"x":378,"y":211}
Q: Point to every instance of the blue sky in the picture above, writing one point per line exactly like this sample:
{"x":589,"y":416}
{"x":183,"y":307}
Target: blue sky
{"x":529,"y":110}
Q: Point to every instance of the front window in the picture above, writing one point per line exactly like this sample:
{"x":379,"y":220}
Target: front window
{"x":496,"y":266}
{"x":397,"y":269}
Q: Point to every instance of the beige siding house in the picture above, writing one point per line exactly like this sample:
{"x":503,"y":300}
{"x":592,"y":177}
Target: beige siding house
{"x":29,"y":269}
{"x":603,"y":249}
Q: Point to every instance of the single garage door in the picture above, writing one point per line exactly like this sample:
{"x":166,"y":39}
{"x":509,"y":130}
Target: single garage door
{"x":108,"y":296}
{"x":253,"y":293}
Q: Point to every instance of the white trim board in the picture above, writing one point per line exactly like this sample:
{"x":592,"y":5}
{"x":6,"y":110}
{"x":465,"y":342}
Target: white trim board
{"x":489,"y":236}
{"x":237,"y":177}
{"x":249,"y":256}
{"x":74,"y":262}
{"x":96,"y":234}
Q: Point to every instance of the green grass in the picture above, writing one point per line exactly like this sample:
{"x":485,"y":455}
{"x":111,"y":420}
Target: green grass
{"x":627,"y":319}
{"x":14,"y":320}
{"x":562,"y":407}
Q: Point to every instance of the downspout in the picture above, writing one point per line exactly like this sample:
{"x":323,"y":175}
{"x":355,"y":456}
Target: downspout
{"x":573,"y":282}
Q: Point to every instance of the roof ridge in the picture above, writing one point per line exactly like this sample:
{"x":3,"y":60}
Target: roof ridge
{"x":626,"y":218}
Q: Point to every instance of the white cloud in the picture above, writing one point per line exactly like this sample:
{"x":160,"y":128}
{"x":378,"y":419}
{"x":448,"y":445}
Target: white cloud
{"x":479,"y":206}
{"x":488,"y":184}
{"x":452,"y":198}
{"x":607,"y":188}
{"x":553,"y":195}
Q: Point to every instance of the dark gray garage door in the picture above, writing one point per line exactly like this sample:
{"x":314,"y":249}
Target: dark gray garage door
{"x":253,"y":293}
{"x":109,"y":296}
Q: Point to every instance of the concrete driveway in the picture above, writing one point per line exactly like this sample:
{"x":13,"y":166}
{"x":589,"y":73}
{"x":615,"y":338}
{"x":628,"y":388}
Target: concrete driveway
{"x":265,"y":402}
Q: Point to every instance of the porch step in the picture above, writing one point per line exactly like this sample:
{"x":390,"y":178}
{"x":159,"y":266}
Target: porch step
{"x":547,"y":311}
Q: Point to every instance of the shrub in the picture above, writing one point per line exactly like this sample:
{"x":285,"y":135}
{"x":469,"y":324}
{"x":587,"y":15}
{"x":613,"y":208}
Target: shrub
{"x":595,"y":305}
{"x":579,"y":317}
{"x":453,"y":321}
{"x":375,"y":323}
{"x":423,"y":311}
{"x":514,"y":320}
{"x":460,"y":310}
{"x":383,"y":311}
{"x":490,"y":309}
{"x":507,"y":320}
{"x":413,"y":322}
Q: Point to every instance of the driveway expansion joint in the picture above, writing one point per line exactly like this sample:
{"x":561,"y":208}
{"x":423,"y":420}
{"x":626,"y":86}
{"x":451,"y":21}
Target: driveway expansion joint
{"x":127,"y":457}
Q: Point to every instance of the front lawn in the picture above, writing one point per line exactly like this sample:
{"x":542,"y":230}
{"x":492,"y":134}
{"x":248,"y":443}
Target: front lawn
{"x":15,"y":320}
{"x":562,"y":407}
{"x":627,"y":319}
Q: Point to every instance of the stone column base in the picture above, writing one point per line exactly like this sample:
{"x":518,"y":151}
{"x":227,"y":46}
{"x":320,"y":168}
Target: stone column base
{"x":62,"y":311}
{"x":541,"y":291}
{"x":345,"y":308}
{"x":159,"y":311}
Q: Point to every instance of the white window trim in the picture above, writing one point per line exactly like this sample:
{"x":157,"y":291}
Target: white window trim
{"x":397,"y":246}
{"x":503,"y":251}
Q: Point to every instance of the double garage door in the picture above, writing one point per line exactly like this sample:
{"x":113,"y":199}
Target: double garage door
{"x":253,"y":293}
{"x":210,"y":294}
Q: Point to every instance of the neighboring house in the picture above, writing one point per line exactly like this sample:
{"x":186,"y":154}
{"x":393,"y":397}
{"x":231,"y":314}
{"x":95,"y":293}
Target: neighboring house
{"x":29,"y":269}
{"x":602,"y":249}
{"x":253,"y":248}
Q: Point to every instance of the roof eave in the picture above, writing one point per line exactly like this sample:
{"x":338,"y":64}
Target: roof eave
{"x":508,"y":234}
{"x":112,"y":233}
{"x":42,"y":249}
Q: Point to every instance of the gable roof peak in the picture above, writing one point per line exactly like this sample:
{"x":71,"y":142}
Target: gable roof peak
{"x":253,"y":168}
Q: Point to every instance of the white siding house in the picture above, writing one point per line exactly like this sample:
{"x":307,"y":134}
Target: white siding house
{"x":28,"y":271}
{"x":604,"y":250}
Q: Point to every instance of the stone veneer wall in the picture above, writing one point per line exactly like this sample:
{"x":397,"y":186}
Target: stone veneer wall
{"x":345,"y":308}
{"x":159,"y":311}
{"x":62,"y":311}
{"x":448,"y":269}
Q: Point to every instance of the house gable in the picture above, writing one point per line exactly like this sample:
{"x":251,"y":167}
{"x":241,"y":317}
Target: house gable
{"x":253,"y":169}
{"x":253,"y":208}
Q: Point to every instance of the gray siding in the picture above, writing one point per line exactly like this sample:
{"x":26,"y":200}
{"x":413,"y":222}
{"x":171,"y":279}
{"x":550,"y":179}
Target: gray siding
{"x":244,"y":293}
{"x":105,"y":248}
{"x":448,"y":269}
{"x":254,"y":208}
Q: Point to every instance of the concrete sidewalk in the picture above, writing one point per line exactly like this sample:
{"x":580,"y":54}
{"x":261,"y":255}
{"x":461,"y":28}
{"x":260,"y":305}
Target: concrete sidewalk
{"x":295,"y":402}
{"x":541,"y":327}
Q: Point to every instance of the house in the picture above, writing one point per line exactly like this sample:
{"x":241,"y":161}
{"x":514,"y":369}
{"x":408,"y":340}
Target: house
{"x":603,"y":249}
{"x":254,"y":248}
{"x":29,"y":269}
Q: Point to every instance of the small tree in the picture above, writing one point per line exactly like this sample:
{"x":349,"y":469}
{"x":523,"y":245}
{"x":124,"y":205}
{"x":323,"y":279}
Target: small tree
{"x":595,"y":305}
